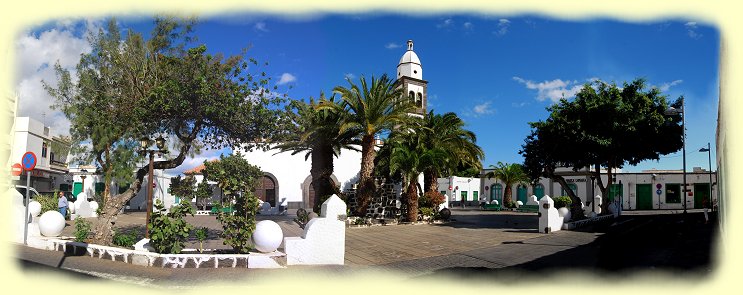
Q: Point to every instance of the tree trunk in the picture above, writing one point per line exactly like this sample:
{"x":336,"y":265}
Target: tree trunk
{"x":412,"y":200}
{"x":321,"y":172}
{"x":507,"y":194}
{"x":604,"y":188}
{"x":576,"y":211}
{"x":366,"y":186}
{"x":102,"y":227}
{"x":430,"y":180}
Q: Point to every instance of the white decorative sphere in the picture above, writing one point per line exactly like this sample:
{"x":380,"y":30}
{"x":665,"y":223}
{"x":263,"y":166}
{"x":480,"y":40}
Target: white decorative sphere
{"x":267,"y":236}
{"x":564,"y":213}
{"x":93,"y":206}
{"x":520,"y":203}
{"x":34,"y":208}
{"x":51,"y":223}
{"x":495,"y":202}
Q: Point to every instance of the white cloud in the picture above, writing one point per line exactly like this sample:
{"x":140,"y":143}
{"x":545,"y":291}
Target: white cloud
{"x":691,"y":29}
{"x":446,"y":23}
{"x":503,"y":25}
{"x":483,"y":109}
{"x":553,"y":90}
{"x":519,"y":105}
{"x":286,"y":78}
{"x":392,"y":45}
{"x":666,"y":86}
{"x":36,"y":55}
{"x":350,"y":76}
{"x":260,"y":26}
{"x":468,"y":26}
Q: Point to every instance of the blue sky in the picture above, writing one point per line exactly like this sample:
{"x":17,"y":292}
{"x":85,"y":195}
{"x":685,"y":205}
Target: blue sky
{"x":496,"y":72}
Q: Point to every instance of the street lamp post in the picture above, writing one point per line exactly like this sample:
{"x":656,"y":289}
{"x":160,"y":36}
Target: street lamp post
{"x":682,"y":112}
{"x":144,"y":144}
{"x":709,"y":157}
{"x":82,"y":182}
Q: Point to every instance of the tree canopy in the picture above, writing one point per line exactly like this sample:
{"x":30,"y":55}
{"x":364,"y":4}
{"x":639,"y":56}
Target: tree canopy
{"x":128,"y":88}
{"x":605,"y":126}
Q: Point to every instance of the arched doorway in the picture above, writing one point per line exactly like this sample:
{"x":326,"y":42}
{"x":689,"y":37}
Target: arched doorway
{"x":267,"y":189}
{"x":521,"y":193}
{"x":308,"y":192}
{"x":496,"y":193}
{"x":539,"y":191}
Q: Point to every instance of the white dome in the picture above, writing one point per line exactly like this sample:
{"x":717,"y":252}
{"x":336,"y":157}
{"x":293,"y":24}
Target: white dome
{"x":410,"y":57}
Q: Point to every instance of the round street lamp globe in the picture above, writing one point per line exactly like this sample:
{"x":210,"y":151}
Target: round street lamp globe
{"x":267,"y":236}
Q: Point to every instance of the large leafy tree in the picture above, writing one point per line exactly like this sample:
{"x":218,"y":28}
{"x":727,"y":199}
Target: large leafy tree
{"x":128,"y":87}
{"x":317,"y":132}
{"x":369,"y":110}
{"x":510,"y":174}
{"x":603,"y":127}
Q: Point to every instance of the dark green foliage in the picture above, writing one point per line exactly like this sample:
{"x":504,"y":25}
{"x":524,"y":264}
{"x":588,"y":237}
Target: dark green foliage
{"x":183,"y":187}
{"x":203,"y":194}
{"x":563,"y":201}
{"x":603,"y":127}
{"x":201,"y":235}
{"x":169,"y":231}
{"x":48,"y":202}
{"x":510,"y":174}
{"x":82,"y":229}
{"x":125,"y":239}
{"x":237,"y":179}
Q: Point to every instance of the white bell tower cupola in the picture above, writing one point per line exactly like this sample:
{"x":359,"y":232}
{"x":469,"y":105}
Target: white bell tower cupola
{"x":410,"y":79}
{"x":410,"y":65}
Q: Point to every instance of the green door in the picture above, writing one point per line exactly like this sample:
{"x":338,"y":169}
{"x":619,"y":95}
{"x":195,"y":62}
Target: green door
{"x":539,"y":191}
{"x":521,"y":194}
{"x":701,"y":193}
{"x":615,"y":191}
{"x":464,"y":196}
{"x":77,"y":188}
{"x":644,"y":194}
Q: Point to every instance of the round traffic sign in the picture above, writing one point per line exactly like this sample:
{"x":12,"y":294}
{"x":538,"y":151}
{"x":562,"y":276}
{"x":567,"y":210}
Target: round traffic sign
{"x":658,"y":186}
{"x":659,"y":192}
{"x":16,"y":169}
{"x":154,"y":184}
{"x":29,"y":161}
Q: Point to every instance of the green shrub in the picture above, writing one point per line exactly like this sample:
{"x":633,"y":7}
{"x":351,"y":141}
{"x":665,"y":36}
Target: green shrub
{"x":48,"y":202}
{"x":126,"y":240}
{"x":82,"y":229}
{"x":563,"y":201}
{"x":168,"y":231}
{"x":302,"y":217}
{"x":201,"y":235}
{"x":426,"y":211}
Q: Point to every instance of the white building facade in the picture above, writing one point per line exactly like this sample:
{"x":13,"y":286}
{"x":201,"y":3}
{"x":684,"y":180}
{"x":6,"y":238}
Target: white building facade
{"x":51,"y":152}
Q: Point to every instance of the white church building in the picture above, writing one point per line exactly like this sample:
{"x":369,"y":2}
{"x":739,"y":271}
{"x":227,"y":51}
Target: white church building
{"x":287,"y":180}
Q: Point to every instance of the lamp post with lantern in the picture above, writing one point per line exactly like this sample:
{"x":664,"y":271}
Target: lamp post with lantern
{"x":145,"y":143}
{"x":709,"y":157}
{"x":682,"y":112}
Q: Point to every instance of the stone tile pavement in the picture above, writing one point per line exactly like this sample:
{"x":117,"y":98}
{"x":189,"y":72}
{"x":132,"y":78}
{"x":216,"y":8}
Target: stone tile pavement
{"x":467,"y":240}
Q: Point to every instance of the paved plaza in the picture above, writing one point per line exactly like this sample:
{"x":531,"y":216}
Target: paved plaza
{"x":470,"y":230}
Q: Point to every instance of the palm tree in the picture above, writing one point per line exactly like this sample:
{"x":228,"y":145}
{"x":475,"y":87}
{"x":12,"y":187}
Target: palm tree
{"x":446,"y":132}
{"x":318,"y":133}
{"x":510,"y":174}
{"x":368,"y":111}
{"x":409,"y":156}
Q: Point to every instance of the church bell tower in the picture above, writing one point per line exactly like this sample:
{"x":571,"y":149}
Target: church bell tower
{"x":410,"y":78}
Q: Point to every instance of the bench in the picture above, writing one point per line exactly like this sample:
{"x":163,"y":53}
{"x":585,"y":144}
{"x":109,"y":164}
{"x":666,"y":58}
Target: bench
{"x":224,"y":210}
{"x":528,"y":208}
{"x":495,"y":207}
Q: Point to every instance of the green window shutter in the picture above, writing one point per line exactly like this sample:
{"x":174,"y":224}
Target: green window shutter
{"x":100,"y":187}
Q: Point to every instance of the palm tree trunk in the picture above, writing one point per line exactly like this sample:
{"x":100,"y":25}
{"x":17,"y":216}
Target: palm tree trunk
{"x":366,"y":186}
{"x":507,"y":194}
{"x":321,"y":171}
{"x":412,"y":199}
{"x":430,"y":180}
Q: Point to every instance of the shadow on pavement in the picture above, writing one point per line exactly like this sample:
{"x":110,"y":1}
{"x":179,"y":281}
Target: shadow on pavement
{"x":670,"y":244}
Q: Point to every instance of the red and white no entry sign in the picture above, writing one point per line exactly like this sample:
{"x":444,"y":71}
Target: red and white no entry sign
{"x":16,"y":169}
